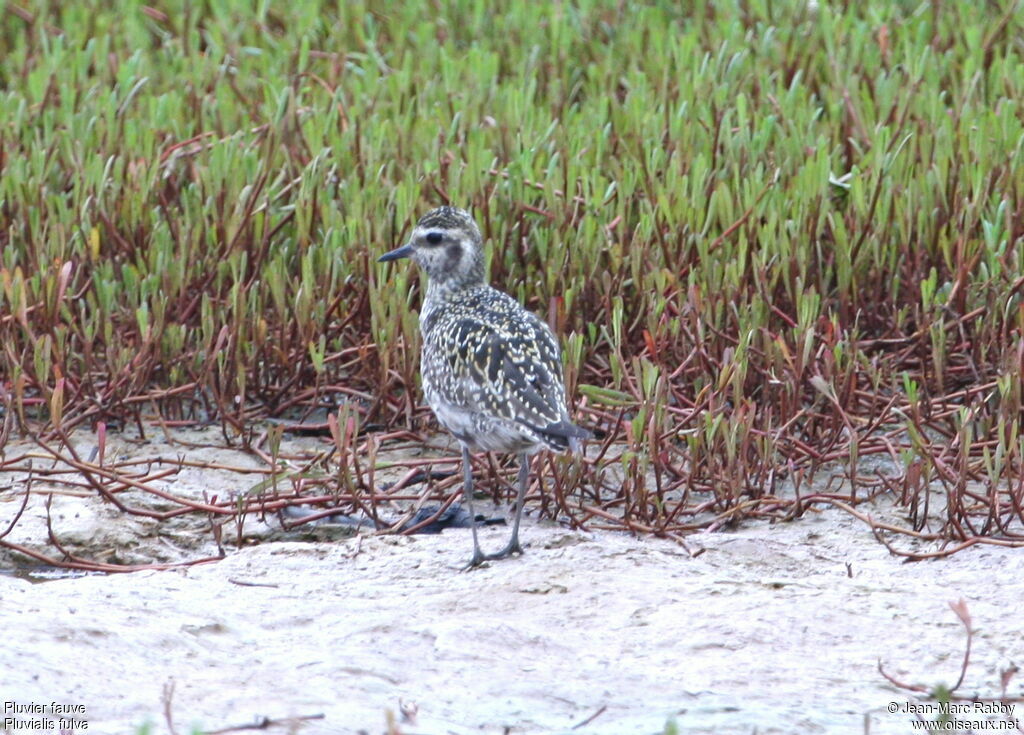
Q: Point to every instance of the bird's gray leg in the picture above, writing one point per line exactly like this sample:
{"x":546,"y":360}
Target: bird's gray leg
{"x":513,"y":546}
{"x":467,"y":494}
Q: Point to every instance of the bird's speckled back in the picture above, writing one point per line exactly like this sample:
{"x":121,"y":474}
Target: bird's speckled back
{"x":492,"y":371}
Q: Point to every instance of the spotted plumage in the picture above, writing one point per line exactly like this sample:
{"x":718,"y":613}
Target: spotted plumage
{"x":492,"y":371}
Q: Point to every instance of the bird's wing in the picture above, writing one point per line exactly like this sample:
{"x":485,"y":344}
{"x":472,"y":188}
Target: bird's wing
{"x":513,"y":371}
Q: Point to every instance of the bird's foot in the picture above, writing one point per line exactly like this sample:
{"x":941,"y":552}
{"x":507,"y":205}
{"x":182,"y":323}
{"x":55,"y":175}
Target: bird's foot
{"x":512,"y":548}
{"x":480,"y":558}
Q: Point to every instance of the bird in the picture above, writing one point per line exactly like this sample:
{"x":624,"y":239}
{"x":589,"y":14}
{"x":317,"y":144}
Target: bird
{"x":491,"y":370}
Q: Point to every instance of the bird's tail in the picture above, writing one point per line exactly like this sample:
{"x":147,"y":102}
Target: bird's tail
{"x":564,"y":435}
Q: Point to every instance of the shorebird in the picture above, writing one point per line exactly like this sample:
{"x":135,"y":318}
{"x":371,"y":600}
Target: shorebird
{"x":492,"y":371}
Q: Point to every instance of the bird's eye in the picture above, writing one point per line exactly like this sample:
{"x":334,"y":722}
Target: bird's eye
{"x":434,"y":237}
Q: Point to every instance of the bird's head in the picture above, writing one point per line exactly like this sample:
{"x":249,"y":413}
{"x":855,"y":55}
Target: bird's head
{"x":447,"y":245}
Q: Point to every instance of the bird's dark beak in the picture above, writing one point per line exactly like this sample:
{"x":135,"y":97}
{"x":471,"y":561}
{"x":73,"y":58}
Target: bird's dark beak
{"x":403,"y":252}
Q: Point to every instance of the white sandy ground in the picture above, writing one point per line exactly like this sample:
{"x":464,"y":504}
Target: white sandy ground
{"x":764,"y":632}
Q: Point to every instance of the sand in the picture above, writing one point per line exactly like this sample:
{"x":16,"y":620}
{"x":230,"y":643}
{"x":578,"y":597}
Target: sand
{"x":772,"y":628}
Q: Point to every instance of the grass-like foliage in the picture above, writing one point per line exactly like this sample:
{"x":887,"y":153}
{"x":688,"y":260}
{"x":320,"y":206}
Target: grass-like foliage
{"x":772,"y":235}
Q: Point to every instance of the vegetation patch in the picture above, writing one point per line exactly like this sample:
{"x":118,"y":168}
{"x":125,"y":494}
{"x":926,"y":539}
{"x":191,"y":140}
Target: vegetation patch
{"x":776,"y":238}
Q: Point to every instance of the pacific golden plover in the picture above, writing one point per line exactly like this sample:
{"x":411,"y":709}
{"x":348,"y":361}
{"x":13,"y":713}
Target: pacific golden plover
{"x":492,"y":371}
